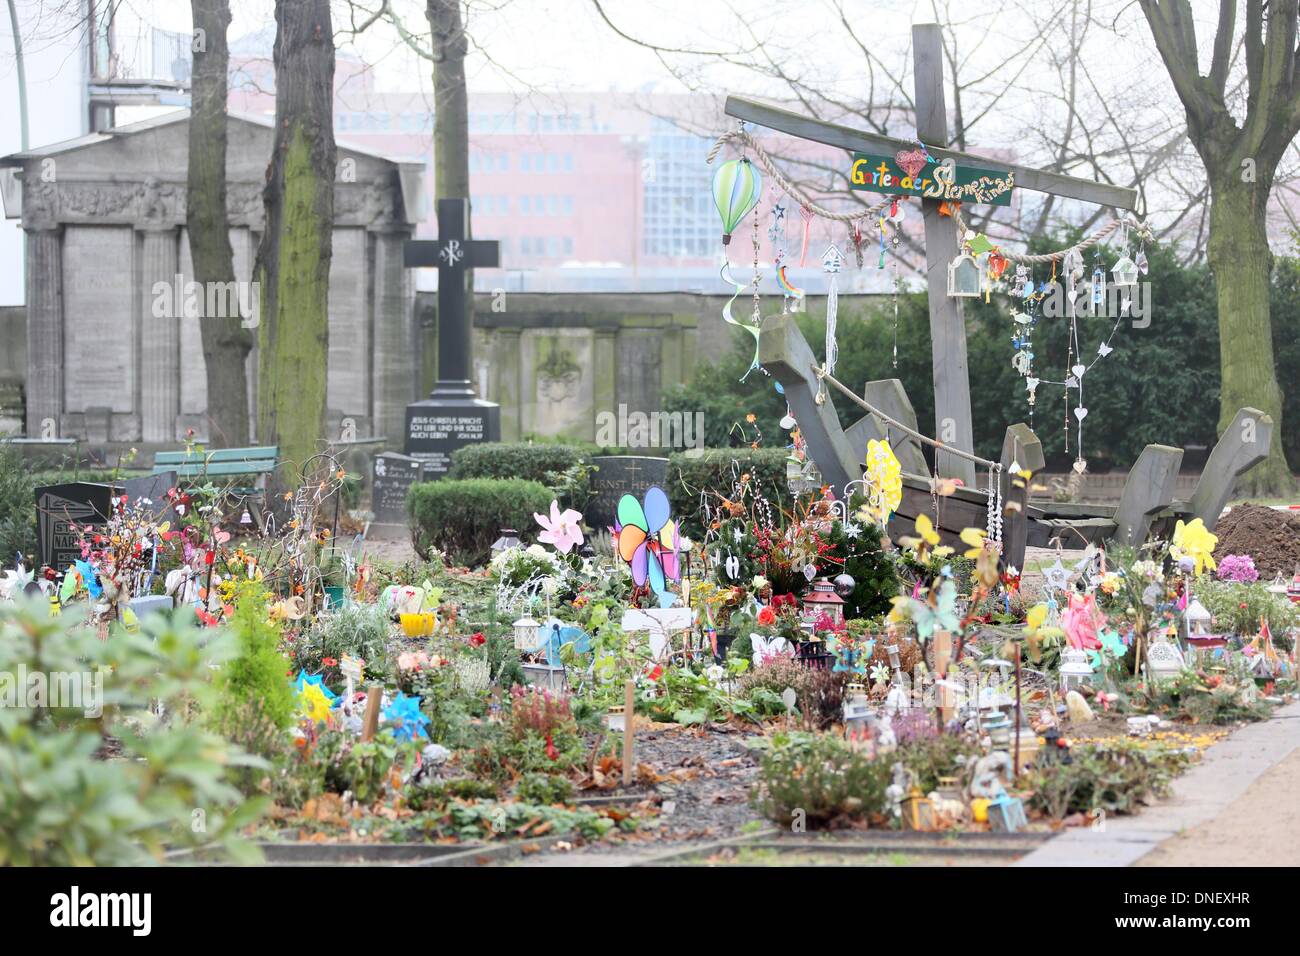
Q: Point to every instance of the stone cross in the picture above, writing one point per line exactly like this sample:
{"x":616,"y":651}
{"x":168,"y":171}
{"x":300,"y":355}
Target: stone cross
{"x":452,"y":254}
{"x":952,"y":408}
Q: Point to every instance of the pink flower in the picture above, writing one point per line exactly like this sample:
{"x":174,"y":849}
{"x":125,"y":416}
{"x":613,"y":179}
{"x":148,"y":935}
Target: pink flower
{"x":561,"y":529}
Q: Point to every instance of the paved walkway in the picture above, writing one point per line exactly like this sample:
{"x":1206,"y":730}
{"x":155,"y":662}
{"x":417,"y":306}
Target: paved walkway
{"x":1237,"y":807}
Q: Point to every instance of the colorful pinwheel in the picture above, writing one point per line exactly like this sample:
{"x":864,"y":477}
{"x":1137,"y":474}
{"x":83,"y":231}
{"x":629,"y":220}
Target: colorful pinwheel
{"x":405,"y":718}
{"x":648,"y":539}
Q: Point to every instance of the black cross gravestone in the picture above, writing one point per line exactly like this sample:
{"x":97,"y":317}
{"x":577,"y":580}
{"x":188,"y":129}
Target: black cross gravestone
{"x":453,"y":415}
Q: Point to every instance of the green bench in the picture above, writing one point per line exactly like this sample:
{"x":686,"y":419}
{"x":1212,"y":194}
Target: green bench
{"x":220,"y":463}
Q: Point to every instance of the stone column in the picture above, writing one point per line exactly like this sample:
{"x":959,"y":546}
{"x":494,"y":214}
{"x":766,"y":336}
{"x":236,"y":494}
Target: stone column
{"x":396,"y":370}
{"x":160,"y":338}
{"x":506,"y":359}
{"x":44,"y":331}
{"x":604,"y":363}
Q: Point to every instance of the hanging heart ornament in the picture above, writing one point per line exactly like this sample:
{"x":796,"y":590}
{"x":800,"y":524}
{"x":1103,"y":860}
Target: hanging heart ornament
{"x":1081,"y":413}
{"x":910,"y":161}
{"x":1078,"y":370}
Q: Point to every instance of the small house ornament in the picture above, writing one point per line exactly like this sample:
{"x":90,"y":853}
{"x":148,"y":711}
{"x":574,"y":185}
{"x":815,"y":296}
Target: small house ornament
{"x":823,"y":599}
{"x":1164,"y":660}
{"x":508,"y":539}
{"x":1124,"y":273}
{"x":964,"y":277}
{"x":832,"y":259}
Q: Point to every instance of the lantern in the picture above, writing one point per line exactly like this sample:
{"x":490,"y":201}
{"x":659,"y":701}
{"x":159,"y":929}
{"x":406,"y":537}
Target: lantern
{"x":1124,"y":273}
{"x":856,"y":706}
{"x":1006,"y":814}
{"x":525,"y":632}
{"x":822,"y":598}
{"x":964,"y":277}
{"x":917,"y":811}
{"x":616,"y":719}
{"x":1196,"y":618}
{"x":1075,"y":670}
{"x":736,"y":188}
{"x":509,"y":539}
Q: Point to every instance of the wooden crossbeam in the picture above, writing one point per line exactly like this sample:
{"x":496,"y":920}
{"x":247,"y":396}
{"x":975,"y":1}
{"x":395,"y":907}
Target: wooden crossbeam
{"x":778,"y":118}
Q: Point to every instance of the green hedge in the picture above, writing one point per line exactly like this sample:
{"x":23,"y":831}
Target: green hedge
{"x":563,"y":468}
{"x":712,"y":471}
{"x":463,"y":517}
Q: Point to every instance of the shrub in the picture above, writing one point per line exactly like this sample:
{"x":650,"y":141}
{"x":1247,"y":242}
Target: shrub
{"x":1115,"y":776}
{"x":254,"y":704}
{"x":17,"y":505}
{"x":360,"y":630}
{"x":563,"y":468}
{"x":1237,"y":606}
{"x":691,"y":474}
{"x":544,"y":789}
{"x":61,"y":804}
{"x":463,"y":518}
{"x":821,"y":778}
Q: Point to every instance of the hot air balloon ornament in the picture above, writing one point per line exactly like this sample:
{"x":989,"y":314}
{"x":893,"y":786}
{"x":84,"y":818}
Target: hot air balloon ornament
{"x":648,"y":541}
{"x":737,"y":187}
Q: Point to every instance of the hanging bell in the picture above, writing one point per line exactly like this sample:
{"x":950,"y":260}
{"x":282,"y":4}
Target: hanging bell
{"x":246,"y":518}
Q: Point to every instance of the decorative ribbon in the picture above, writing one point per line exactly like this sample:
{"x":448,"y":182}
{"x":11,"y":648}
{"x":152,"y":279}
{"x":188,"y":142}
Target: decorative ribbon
{"x":727,"y":317}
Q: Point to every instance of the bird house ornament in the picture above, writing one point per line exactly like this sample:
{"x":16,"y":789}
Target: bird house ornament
{"x":1124,"y":273}
{"x":832,"y":259}
{"x":964,"y":277}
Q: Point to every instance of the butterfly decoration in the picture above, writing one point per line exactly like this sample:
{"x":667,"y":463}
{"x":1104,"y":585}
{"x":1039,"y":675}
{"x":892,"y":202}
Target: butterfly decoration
{"x":851,"y":654}
{"x":648,"y":541}
{"x":937,"y":613}
{"x":765,"y":647}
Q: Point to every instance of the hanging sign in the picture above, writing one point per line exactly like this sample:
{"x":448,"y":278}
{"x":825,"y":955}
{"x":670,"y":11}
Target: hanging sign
{"x":909,"y":174}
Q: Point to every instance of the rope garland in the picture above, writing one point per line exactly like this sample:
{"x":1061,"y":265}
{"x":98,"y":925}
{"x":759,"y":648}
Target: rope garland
{"x":745,"y":141}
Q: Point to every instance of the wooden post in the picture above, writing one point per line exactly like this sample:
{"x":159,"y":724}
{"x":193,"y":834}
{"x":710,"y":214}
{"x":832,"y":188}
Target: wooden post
{"x":952,"y":414}
{"x":374,"y":695}
{"x":629,"y":729}
{"x":942,"y":657}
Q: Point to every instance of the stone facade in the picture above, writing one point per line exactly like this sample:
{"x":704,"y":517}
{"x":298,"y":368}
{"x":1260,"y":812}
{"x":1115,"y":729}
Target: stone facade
{"x":105,"y":223}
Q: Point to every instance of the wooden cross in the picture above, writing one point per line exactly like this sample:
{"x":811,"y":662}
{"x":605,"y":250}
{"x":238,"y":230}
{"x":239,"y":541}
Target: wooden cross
{"x":452,"y":254}
{"x":952,"y":408}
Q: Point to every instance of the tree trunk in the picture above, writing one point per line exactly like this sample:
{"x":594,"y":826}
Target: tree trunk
{"x":450,"y":125}
{"x":294,"y":258}
{"x":226,"y":341}
{"x":1240,"y":259}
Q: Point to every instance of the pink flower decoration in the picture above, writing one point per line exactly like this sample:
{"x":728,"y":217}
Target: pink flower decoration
{"x":561,"y":529}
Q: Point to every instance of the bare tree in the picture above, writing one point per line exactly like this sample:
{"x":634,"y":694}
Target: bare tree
{"x":226,"y":342}
{"x":293,"y":262}
{"x":1241,"y":154}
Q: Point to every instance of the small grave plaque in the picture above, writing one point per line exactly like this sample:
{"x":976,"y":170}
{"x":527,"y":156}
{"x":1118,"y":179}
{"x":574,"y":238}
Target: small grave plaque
{"x":58,"y":508}
{"x":391,"y":478}
{"x":621,"y":475}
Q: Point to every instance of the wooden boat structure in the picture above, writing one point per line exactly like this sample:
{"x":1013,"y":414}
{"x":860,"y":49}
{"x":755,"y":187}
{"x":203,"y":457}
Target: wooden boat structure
{"x":1146,"y":506}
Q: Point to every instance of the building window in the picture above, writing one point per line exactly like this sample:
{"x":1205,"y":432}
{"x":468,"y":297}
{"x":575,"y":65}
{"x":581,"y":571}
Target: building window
{"x":525,"y":207}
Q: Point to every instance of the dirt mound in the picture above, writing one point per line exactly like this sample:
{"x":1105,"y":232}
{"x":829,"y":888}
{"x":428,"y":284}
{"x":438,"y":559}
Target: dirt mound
{"x":1269,"y":536}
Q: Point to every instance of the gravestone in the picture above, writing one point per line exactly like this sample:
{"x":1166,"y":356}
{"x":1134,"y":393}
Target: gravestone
{"x":58,"y":507}
{"x":391,"y":477}
{"x":620,"y":475}
{"x":453,"y":415}
{"x":153,"y":490}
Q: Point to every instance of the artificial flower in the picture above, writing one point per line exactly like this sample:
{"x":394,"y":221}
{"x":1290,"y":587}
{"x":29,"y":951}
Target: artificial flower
{"x":561,"y":528}
{"x":1194,"y":540}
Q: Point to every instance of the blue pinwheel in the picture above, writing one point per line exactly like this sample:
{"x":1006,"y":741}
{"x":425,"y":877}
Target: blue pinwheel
{"x":405,"y":718}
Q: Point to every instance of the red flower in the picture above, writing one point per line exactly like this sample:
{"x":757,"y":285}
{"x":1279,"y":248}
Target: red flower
{"x":328,"y":662}
{"x":656,"y":673}
{"x":550,"y":748}
{"x":477,"y":639}
{"x":767,"y":617}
